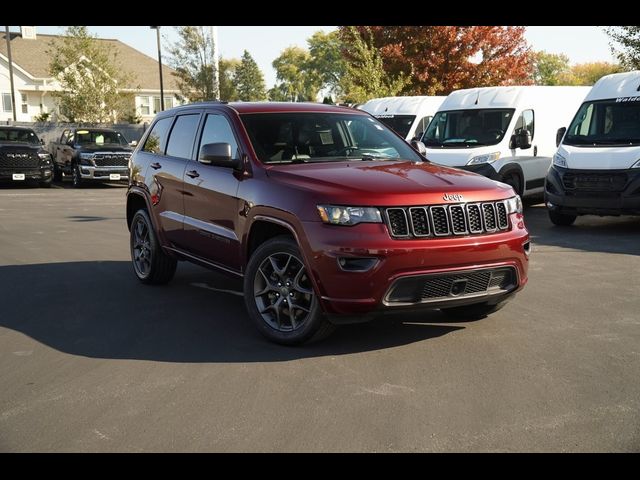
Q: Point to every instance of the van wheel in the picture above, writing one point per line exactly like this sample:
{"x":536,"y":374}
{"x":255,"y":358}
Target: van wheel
{"x":561,"y":219}
{"x":513,"y":179}
{"x":150,"y":263}
{"x":472,"y":312}
{"x":279,"y":295}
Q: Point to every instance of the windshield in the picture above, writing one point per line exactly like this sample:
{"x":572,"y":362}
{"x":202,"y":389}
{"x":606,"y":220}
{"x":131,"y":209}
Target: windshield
{"x":18,"y":135}
{"x":401,"y":124}
{"x":606,"y":122}
{"x":468,"y":128}
{"x":323,"y":137}
{"x":96,"y":137}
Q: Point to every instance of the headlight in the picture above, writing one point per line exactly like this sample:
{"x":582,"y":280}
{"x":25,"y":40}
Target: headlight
{"x":488,"y":158}
{"x":514,"y":204}
{"x":348,"y":215}
{"x":45,"y":157}
{"x":636,"y":165}
{"x":559,"y":161}
{"x":86,"y":158}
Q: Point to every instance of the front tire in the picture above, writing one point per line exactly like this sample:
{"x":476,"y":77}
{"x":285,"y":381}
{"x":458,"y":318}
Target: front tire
{"x":76,"y":178}
{"x":45,"y":183}
{"x":561,"y":219}
{"x":57,"y":173}
{"x":150,"y":263}
{"x":513,"y":179}
{"x":279,"y":295}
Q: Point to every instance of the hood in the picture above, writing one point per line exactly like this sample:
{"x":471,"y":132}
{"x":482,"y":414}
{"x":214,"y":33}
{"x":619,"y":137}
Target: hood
{"x":19,"y":147}
{"x":388,"y":183}
{"x":459,"y":157}
{"x":599,"y":158}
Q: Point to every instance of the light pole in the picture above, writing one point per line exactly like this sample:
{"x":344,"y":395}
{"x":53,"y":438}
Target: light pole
{"x":13,"y":91}
{"x":157,"y":29}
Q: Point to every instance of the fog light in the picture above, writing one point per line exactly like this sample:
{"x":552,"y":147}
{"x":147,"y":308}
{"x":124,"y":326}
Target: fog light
{"x":550,"y":205}
{"x":357,"y":264}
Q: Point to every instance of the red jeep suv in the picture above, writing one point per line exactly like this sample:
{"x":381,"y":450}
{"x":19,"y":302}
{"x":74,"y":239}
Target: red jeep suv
{"x":327,"y":215}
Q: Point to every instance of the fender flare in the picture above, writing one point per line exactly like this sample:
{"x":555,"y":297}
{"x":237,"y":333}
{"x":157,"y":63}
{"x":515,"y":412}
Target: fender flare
{"x":514,"y":168}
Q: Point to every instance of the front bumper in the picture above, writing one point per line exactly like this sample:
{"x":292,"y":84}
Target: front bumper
{"x":88,"y":172}
{"x":39,"y":174}
{"x":622,"y":199}
{"x":360,"y":292}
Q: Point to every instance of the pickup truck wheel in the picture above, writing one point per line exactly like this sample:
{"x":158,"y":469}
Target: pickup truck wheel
{"x":279,"y":295}
{"x":472,"y":312}
{"x":150,"y":263}
{"x":57,"y":174}
{"x":77,"y":179}
{"x":46,"y":183}
{"x":561,"y":219}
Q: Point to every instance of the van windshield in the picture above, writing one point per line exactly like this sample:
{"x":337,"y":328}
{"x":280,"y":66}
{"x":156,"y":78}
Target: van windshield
{"x":323,"y":137}
{"x":606,"y":122}
{"x":468,"y":128}
{"x":401,"y":124}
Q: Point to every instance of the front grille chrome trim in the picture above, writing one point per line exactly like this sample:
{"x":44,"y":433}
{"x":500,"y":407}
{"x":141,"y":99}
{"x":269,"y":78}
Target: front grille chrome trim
{"x":391,"y":232}
{"x":426,"y":215}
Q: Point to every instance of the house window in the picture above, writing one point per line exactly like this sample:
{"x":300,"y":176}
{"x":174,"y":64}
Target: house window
{"x":168,"y":102}
{"x":144,"y":105}
{"x":6,"y":102}
{"x":25,"y":103}
{"x":156,"y":105}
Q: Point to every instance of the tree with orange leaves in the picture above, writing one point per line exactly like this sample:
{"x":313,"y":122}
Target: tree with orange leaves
{"x":440,"y":59}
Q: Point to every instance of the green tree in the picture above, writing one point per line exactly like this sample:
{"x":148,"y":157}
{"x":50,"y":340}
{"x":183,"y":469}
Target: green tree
{"x":249,"y":80}
{"x":326,"y":60}
{"x":191,"y":56}
{"x":364,"y":77}
{"x":228,"y":67}
{"x":297,"y":80}
{"x":549,"y":68}
{"x":625,"y":45}
{"x":91,"y":78}
{"x":589,"y":73}
{"x":279,"y":93}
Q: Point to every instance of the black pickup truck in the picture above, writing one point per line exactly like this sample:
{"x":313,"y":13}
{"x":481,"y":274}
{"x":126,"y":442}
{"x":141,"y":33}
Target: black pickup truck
{"x":22,"y":157}
{"x":89,"y":154}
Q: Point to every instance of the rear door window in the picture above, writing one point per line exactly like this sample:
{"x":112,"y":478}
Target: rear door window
{"x":183,"y":133}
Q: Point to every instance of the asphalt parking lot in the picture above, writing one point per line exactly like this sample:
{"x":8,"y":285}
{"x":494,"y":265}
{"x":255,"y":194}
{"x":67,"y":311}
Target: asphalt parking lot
{"x":91,"y":360}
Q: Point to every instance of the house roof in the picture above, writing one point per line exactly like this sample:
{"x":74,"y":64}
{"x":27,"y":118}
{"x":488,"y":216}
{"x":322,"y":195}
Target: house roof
{"x":31,"y":55}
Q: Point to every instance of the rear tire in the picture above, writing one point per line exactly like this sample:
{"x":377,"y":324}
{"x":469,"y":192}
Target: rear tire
{"x":279,"y":295}
{"x":561,"y":219}
{"x":150,"y":263}
{"x":472,"y":312}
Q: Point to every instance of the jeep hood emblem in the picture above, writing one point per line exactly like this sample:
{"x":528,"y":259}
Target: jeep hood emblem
{"x":452,"y":197}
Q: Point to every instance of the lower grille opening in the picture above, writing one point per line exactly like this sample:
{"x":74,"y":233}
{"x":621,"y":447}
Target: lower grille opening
{"x":445,"y":286}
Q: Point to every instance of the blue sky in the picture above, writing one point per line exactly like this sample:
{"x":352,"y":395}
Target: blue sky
{"x":579,"y":43}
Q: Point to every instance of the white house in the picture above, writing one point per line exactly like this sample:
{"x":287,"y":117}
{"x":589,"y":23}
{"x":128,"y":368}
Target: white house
{"x":33,"y":84}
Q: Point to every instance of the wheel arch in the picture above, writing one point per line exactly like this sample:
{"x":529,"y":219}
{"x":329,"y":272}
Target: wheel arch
{"x":511,"y":168}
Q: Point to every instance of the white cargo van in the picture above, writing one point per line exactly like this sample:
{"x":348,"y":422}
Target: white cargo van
{"x":505,"y":133}
{"x":596,"y":169}
{"x":408,"y":116}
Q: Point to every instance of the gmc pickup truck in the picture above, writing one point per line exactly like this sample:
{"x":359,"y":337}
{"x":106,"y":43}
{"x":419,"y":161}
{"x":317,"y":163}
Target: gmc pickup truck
{"x":91,"y":154}
{"x":328,"y":216}
{"x":22,"y":158}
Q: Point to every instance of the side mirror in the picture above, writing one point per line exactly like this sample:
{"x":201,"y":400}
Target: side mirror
{"x":418,"y":136}
{"x":560,"y":134}
{"x":219,"y":155}
{"x":419,"y":147}
{"x":133,"y":143}
{"x":41,"y":141}
{"x":523,"y":139}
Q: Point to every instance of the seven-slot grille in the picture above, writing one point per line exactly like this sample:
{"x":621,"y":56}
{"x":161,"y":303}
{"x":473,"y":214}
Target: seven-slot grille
{"x":111,"y":159}
{"x":447,"y":220}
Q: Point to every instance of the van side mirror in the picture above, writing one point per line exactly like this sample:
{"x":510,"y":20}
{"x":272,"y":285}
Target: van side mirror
{"x":560,"y":134}
{"x":419,"y":147}
{"x":218,"y":155}
{"x":523,"y":139}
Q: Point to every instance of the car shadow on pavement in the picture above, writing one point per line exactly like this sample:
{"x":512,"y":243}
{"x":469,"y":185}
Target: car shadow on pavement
{"x":589,"y":233}
{"x":100,"y":310}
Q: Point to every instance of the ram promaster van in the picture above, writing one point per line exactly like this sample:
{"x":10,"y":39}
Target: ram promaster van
{"x":407,"y":116}
{"x":596,"y":169}
{"x":505,"y":133}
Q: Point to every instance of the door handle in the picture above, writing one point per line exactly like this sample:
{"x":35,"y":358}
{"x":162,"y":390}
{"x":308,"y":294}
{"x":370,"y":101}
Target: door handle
{"x":155,"y":166}
{"x":193,"y":174}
